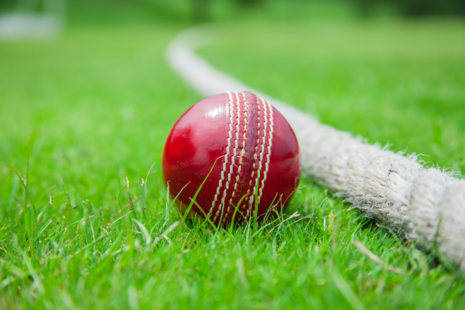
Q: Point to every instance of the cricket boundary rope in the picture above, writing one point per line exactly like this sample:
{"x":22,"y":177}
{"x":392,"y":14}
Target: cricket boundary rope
{"x":419,"y":203}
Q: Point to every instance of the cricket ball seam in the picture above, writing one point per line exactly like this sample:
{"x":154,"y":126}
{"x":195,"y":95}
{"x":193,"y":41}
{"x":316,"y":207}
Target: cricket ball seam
{"x":260,"y":150}
{"x":238,"y":123}
{"x":233,"y":156}
{"x":249,"y":110}
{"x":254,"y":165}
{"x":260,"y":154}
{"x":228,"y":110}
{"x":270,"y":141}
{"x":244,"y":139}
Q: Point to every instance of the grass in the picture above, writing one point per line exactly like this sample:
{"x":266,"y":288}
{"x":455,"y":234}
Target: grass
{"x":82,"y":115}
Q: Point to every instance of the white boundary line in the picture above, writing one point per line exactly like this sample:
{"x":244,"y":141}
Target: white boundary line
{"x":22,"y":23}
{"x":423,"y":204}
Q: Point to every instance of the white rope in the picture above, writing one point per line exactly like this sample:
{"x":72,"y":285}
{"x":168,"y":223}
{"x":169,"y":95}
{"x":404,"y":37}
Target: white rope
{"x":423,"y":204}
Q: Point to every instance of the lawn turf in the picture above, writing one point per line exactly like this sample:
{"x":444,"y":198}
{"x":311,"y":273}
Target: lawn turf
{"x":97,"y":104}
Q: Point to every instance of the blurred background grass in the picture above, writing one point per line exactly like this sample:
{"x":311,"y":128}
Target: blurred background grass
{"x":194,"y":11}
{"x":96,"y":103}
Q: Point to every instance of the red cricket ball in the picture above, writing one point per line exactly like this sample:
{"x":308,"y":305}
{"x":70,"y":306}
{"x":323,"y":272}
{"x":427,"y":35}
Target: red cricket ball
{"x":256,"y":152}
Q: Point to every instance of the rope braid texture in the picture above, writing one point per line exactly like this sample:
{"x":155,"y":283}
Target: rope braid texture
{"x":421,"y":204}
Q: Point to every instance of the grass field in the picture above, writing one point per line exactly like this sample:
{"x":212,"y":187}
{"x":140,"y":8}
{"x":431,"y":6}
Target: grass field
{"x":79,"y":114}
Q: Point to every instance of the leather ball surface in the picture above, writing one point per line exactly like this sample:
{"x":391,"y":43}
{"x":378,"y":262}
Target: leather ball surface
{"x":256,"y":152}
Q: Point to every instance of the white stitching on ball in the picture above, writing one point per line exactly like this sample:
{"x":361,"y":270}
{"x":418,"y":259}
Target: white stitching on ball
{"x":233,"y":157}
{"x":229,"y":110}
{"x":270,"y":140}
{"x":246,"y":110}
